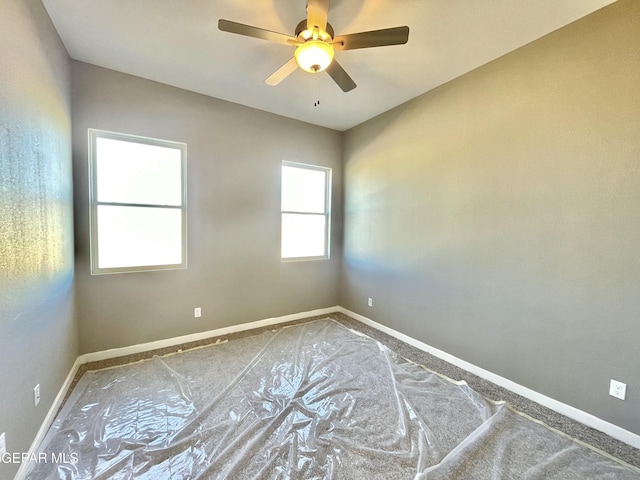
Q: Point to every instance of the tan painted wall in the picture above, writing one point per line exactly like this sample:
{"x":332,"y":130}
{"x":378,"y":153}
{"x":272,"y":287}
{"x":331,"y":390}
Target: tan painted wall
{"x":38,"y":340}
{"x":234,"y":156}
{"x":498,"y":216}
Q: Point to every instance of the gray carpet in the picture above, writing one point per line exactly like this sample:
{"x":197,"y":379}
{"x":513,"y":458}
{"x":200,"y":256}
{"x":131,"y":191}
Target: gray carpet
{"x":312,"y":401}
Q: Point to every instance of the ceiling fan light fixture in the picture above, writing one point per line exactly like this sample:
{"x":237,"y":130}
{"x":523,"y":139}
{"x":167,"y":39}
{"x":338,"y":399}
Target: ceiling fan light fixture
{"x":314,"y":56}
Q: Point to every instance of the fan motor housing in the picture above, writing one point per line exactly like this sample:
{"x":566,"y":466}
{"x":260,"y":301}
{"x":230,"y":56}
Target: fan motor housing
{"x":304,"y":34}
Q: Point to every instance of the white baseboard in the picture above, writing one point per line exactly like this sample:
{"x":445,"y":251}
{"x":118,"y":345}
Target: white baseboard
{"x":194,"y":337}
{"x":585,"y":418}
{"x":50,"y":417}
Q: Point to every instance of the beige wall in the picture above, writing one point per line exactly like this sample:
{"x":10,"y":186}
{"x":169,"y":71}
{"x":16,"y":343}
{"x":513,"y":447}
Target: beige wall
{"x":498,"y":216}
{"x":38,"y":340}
{"x":234,"y":156}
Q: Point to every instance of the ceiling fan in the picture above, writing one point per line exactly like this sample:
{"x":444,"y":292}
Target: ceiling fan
{"x":315,"y":43}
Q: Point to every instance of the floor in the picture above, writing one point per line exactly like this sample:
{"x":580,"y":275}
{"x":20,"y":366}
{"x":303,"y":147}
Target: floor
{"x":199,"y":404}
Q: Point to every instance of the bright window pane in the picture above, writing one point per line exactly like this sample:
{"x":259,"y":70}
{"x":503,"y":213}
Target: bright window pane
{"x":129,"y":172}
{"x":303,"y":235}
{"x":303,"y":189}
{"x":138,"y":236}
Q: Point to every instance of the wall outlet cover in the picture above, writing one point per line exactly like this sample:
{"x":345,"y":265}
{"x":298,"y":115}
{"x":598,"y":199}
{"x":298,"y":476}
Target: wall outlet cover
{"x":3,"y":444}
{"x":370,"y":302}
{"x":36,"y":395}
{"x":197,"y":312}
{"x":618,"y":389}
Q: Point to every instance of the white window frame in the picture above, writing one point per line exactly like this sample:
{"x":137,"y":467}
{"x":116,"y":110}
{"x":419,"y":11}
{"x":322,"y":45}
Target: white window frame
{"x":326,"y":214}
{"x":93,"y":135}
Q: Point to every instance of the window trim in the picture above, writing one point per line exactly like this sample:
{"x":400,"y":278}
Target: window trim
{"x":327,"y":211}
{"x":93,"y":135}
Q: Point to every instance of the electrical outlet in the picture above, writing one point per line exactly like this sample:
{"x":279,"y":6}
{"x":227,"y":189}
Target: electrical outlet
{"x":197,"y":312}
{"x":36,"y":395}
{"x":3,"y":445}
{"x":618,"y":389}
{"x":370,"y":302}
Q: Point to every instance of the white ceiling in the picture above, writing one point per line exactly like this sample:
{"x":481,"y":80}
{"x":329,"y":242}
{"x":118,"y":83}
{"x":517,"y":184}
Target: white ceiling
{"x":178,"y":43}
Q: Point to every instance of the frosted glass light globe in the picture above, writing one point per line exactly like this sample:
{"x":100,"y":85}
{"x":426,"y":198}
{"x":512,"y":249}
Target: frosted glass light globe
{"x":314,"y":56}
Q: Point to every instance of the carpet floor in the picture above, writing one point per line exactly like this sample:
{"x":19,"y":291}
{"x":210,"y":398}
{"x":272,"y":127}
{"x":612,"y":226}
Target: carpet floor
{"x":321,"y":398}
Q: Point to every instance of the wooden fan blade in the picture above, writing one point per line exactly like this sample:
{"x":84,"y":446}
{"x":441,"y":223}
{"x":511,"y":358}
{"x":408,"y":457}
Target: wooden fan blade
{"x":249,"y":31}
{"x":317,"y":13}
{"x":341,"y":77}
{"x":283,"y":72}
{"x":374,"y":38}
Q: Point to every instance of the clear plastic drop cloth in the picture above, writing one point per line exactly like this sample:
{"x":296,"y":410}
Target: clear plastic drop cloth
{"x":312,"y":401}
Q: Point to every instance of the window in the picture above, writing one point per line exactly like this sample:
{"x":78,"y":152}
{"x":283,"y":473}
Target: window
{"x":305,"y":205}
{"x":137,"y":195}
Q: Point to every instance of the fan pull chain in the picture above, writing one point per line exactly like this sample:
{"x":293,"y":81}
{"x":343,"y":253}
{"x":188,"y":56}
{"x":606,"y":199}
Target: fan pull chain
{"x":317,"y":102}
